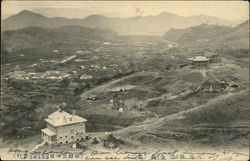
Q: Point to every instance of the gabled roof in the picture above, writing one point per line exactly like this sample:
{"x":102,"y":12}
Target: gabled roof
{"x":211,"y":80}
{"x":61,"y":118}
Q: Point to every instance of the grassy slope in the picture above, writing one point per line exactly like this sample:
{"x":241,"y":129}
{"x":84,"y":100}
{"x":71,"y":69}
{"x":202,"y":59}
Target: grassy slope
{"x":229,"y":114}
{"x":227,"y":111}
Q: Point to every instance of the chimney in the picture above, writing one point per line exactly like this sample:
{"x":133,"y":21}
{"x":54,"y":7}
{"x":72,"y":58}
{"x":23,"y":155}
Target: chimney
{"x":63,"y":105}
{"x":73,"y":112}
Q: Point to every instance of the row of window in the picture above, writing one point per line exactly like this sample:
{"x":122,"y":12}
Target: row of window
{"x":71,"y":136}
{"x":68,"y":142}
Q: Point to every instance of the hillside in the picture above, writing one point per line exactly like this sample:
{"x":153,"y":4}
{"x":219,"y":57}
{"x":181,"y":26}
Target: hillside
{"x":210,"y":35}
{"x":238,"y":36}
{"x":33,"y":37}
{"x":134,"y":25}
{"x":196,"y":33}
{"x":222,"y":122}
{"x":27,"y":18}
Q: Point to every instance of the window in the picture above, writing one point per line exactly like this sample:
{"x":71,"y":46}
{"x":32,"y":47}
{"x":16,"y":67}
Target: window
{"x":60,"y":137}
{"x":60,"y":143}
{"x":77,"y":133}
{"x":72,"y":136}
{"x":77,"y":139}
{"x":66,"y":141}
{"x":65,"y":136}
{"x":81,"y":133}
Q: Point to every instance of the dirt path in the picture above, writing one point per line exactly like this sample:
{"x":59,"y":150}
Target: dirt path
{"x":38,"y":145}
{"x":68,"y":59}
{"x":167,"y":48}
{"x":168,"y":41}
{"x":155,"y":123}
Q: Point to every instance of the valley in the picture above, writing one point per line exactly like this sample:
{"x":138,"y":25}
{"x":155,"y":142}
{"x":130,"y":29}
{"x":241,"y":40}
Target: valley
{"x":167,"y":102}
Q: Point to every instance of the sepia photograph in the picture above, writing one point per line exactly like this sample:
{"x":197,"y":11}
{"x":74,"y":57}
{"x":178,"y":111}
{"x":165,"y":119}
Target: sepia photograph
{"x":125,"y":80}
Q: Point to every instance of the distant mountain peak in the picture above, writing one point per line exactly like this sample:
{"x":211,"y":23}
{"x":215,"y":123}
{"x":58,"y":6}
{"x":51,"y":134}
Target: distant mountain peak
{"x":167,"y":14}
{"x":26,"y":13}
{"x":96,"y":17}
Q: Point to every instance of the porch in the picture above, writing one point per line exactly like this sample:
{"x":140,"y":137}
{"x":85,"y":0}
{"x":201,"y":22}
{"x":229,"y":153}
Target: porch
{"x":48,"y":135}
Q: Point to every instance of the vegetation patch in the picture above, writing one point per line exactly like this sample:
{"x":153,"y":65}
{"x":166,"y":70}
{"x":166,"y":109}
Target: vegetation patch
{"x":194,"y":77}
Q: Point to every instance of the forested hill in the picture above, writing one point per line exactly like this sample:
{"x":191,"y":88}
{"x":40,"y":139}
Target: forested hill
{"x":32,"y":37}
{"x":211,"y":35}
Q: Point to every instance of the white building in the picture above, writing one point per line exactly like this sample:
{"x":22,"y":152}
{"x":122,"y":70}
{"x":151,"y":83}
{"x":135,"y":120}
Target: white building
{"x":63,"y":127}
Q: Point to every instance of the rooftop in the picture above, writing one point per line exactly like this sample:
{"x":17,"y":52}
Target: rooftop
{"x":48,"y":132}
{"x":200,"y":58}
{"x":61,"y":118}
{"x":212,"y":80}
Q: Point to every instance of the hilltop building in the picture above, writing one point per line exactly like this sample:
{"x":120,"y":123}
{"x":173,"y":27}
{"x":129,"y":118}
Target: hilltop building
{"x":63,"y":127}
{"x":200,"y":62}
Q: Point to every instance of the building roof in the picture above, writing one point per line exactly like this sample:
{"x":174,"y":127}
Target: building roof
{"x":211,"y":81}
{"x":48,"y":132}
{"x":61,"y":118}
{"x":200,"y":58}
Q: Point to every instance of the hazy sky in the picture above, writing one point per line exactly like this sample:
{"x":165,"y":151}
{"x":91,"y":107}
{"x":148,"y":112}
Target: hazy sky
{"x":230,"y":10}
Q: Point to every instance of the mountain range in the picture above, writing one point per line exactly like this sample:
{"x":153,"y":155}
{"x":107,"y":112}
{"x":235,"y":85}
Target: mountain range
{"x":70,"y":12}
{"x":33,"y":37}
{"x":205,"y":34}
{"x":158,"y":24}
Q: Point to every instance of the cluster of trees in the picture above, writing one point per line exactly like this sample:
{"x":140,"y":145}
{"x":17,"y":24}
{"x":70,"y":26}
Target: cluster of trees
{"x":19,"y":118}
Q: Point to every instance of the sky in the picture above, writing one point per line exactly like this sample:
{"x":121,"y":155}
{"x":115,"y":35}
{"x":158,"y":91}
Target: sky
{"x":229,"y":10}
